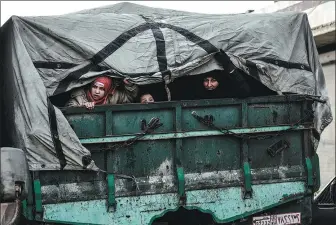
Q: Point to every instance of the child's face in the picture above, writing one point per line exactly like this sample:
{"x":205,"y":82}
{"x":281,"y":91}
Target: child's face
{"x":97,"y":90}
{"x":147,"y":98}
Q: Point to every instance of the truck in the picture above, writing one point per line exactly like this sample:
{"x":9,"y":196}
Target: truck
{"x":247,"y":158}
{"x":324,"y":204}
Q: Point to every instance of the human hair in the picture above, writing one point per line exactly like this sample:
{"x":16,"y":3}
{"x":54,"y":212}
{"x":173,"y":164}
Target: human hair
{"x":142,"y":94}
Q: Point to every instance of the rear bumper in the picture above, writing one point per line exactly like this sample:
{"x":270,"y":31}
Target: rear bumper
{"x":302,"y":206}
{"x":225,"y":205}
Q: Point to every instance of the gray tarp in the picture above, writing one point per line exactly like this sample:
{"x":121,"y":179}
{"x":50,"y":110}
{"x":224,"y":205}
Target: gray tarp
{"x":44,"y":56}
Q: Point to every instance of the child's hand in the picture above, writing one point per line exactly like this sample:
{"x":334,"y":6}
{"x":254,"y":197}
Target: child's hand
{"x":89,"y":105}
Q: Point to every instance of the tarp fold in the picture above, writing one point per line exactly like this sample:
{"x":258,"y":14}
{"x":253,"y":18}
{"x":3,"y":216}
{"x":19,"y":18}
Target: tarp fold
{"x":45,"y":56}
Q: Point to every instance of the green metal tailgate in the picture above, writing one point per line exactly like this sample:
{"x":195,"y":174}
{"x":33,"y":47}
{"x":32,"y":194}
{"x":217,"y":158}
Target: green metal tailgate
{"x":227,"y":157}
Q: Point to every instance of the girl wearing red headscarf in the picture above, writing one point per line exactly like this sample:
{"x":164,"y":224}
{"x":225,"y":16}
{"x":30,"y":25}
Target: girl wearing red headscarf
{"x":103,"y":91}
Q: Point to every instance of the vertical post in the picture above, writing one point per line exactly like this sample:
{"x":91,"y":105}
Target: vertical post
{"x":178,"y":156}
{"x":30,"y":200}
{"x":37,"y":196}
{"x":309,"y":172}
{"x":25,"y":208}
{"x":108,"y":122}
{"x":181,"y":184}
{"x":247,"y":192}
{"x":316,"y":172}
{"x":178,"y":128}
{"x":111,"y":202}
{"x":307,"y":147}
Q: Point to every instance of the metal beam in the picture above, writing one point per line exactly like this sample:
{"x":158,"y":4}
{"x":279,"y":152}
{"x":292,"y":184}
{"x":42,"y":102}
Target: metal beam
{"x":191,"y":134}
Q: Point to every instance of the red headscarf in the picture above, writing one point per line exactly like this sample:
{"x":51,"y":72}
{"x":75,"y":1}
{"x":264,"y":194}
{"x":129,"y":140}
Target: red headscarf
{"x":107,"y":81}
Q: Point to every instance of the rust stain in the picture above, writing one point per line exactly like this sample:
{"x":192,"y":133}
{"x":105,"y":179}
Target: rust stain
{"x":154,"y":210}
{"x":291,"y":196}
{"x":260,"y":106}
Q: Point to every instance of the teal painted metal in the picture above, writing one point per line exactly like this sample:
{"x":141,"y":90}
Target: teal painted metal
{"x":192,"y":134}
{"x":25,"y":208}
{"x":108,"y":122}
{"x":181,"y":182}
{"x":142,"y":210}
{"x":38,"y":199}
{"x":30,"y":203}
{"x":247,"y":180}
{"x":183,"y":158}
{"x":177,"y":155}
{"x":111,"y":202}
{"x":316,"y":170}
{"x":310,"y":182}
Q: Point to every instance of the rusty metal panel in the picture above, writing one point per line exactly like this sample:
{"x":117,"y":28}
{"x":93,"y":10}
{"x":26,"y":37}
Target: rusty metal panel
{"x":88,"y":124}
{"x":270,"y":114}
{"x":126,"y":122}
{"x":224,"y":116}
{"x":205,"y":153}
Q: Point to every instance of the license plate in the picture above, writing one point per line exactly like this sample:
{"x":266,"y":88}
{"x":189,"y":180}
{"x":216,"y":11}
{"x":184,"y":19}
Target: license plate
{"x":278,"y":219}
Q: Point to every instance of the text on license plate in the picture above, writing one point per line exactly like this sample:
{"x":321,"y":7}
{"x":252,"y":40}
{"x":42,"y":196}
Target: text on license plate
{"x":278,"y":219}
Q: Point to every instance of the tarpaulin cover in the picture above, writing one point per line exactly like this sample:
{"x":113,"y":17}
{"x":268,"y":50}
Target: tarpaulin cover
{"x":46,"y":56}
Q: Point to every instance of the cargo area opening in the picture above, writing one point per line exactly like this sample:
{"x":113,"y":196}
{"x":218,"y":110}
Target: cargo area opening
{"x":190,"y":87}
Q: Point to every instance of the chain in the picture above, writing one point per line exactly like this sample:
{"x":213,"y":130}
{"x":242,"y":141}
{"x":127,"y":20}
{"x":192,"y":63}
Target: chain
{"x":153,"y":124}
{"x":225,"y":131}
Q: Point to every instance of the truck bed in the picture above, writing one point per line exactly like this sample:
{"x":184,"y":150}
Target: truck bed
{"x":231,"y":158}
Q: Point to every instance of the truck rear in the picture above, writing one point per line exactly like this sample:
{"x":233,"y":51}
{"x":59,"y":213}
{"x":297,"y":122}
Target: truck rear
{"x":243,"y":158}
{"x":245,"y":161}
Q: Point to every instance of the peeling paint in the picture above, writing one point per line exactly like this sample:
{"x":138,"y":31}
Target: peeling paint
{"x":164,"y":168}
{"x":225,"y":205}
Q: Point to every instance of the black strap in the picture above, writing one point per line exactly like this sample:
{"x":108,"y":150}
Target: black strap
{"x":234,"y":73}
{"x":253,"y":70}
{"x":202,"y":43}
{"x":160,"y":52}
{"x":75,"y":75}
{"x":224,"y":60}
{"x":285,"y":64}
{"x":54,"y":134}
{"x":155,"y":27}
{"x":65,"y":65}
{"x":160,"y":44}
{"x":53,"y":65}
{"x":123,"y":38}
{"x":99,"y":68}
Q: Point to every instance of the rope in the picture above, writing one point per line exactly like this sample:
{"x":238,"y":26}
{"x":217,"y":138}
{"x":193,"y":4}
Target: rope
{"x":122,"y":176}
{"x":168,"y":93}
